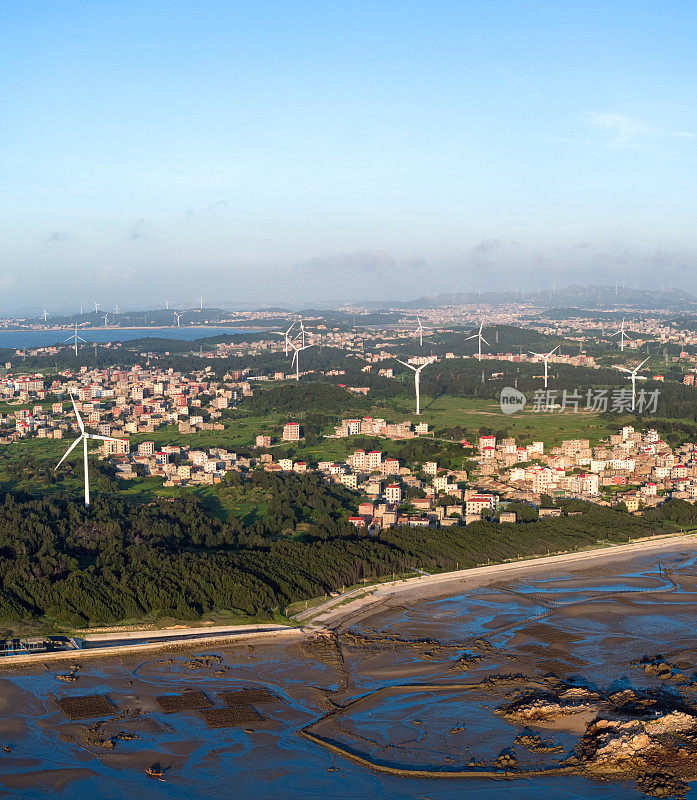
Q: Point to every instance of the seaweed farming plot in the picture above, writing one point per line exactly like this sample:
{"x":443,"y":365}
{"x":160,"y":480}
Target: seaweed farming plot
{"x":189,"y":701}
{"x":86,"y":707}
{"x":245,"y":697}
{"x":230,"y":717}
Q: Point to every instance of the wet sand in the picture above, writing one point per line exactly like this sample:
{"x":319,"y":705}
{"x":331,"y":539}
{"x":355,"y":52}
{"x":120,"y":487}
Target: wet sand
{"x":587,"y":622}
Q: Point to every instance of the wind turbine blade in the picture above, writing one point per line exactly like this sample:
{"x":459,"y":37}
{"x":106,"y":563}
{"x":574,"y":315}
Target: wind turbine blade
{"x":103,"y":438}
{"x":404,"y":363}
{"x":533,"y":353}
{"x":485,"y":341}
{"x":69,"y":450}
{"x":77,"y":414}
{"x":642,"y":363}
{"x":624,"y":369}
{"x":551,"y":351}
{"x":474,"y":336}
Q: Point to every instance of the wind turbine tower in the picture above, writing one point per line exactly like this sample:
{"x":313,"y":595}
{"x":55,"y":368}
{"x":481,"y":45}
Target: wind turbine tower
{"x":296,"y":358}
{"x":417,"y":379}
{"x":620,"y":333}
{"x":75,"y":338}
{"x":285,"y":335}
{"x":545,"y":357}
{"x":83,"y":437}
{"x":634,"y":377}
{"x":480,"y":339}
{"x":420,"y":332}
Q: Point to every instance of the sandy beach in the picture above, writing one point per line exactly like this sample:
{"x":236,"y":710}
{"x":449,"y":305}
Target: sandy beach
{"x":364,"y":601}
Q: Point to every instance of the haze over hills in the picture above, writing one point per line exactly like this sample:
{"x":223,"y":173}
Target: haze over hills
{"x":573,"y":296}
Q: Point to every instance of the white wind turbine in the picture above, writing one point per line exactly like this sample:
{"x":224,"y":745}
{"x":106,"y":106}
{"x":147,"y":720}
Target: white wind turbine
{"x":75,"y":338}
{"x":420,"y":332}
{"x":545,"y":357}
{"x":167,"y":305}
{"x":285,"y":334}
{"x":200,"y":300}
{"x":302,"y":331}
{"x":116,"y":310}
{"x":296,"y":359}
{"x":106,"y":319}
{"x":83,"y":437}
{"x":178,"y":316}
{"x":45,"y":315}
{"x":620,"y":333}
{"x":634,"y":377}
{"x":96,"y":306}
{"x":417,"y":378}
{"x":480,"y":338}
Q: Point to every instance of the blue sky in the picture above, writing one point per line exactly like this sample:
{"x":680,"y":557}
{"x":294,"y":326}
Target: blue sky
{"x":260,"y":151}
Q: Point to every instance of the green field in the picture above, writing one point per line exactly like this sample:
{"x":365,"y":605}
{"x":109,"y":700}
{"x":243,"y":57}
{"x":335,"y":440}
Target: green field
{"x":20,"y":461}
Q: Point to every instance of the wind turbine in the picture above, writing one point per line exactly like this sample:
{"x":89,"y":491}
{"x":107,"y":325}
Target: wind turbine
{"x":481,"y":339}
{"x":45,"y":315}
{"x":106,"y":319}
{"x":200,"y":300}
{"x":178,"y":316}
{"x":620,"y":333}
{"x":545,"y":358}
{"x":83,"y":437}
{"x":167,"y":305}
{"x":420,"y":332}
{"x":634,"y":378}
{"x":116,"y":310}
{"x":417,"y":378}
{"x":302,"y":331}
{"x":75,"y":338}
{"x":285,"y":334}
{"x":96,"y":306}
{"x":296,"y":359}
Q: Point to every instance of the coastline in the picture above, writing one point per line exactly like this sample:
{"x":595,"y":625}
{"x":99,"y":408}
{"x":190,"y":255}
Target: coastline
{"x":366,"y":601}
{"x":203,"y":327}
{"x":359,"y":603}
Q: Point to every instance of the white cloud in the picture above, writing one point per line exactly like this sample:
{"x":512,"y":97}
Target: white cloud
{"x":367,"y":261}
{"x":620,"y":132}
{"x":109,"y":274}
{"x":61,"y":236}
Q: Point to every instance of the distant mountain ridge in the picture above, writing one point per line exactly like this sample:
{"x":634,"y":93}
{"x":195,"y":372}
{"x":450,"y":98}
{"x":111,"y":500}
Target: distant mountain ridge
{"x":572,"y":296}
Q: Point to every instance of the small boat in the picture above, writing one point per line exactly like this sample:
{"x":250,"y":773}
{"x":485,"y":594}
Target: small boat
{"x":155,"y":770}
{"x":7,"y":748}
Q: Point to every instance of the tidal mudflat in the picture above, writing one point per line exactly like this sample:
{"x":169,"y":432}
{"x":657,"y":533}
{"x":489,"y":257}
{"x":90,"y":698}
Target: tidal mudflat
{"x":575,"y":683}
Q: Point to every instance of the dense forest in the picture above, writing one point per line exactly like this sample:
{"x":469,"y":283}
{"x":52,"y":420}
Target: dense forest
{"x":62,"y":563}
